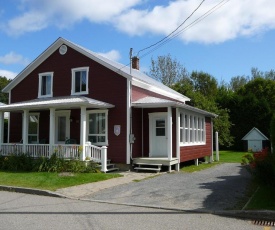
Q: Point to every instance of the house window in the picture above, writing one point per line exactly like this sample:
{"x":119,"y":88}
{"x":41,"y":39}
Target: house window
{"x":33,"y":135}
{"x":45,"y":84}
{"x":80,"y":80}
{"x":97,"y":127}
{"x":192,"y":129}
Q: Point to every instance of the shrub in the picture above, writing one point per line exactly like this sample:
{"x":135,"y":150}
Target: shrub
{"x":263,"y":167}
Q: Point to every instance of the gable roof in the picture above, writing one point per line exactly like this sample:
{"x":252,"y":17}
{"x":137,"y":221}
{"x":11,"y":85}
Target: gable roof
{"x":154,"y":102}
{"x":254,"y":134}
{"x":138,"y":78}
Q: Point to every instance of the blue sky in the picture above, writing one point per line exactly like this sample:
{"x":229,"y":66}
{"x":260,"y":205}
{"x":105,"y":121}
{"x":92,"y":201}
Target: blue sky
{"x":237,"y":36}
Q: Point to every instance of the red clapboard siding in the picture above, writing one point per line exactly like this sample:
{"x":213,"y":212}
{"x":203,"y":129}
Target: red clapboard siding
{"x":104,"y":85}
{"x":193,"y":152}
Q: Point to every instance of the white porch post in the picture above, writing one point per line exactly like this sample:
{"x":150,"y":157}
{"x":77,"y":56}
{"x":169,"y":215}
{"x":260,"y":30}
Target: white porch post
{"x":25,"y":129}
{"x":83,"y":132}
{"x":1,"y":129}
{"x":52,"y":130}
{"x":178,"y":138}
{"x":169,"y":134}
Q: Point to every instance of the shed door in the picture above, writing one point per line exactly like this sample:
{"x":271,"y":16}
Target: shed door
{"x":255,"y":145}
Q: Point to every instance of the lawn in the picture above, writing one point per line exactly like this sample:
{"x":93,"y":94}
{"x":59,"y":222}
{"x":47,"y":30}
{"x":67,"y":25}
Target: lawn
{"x":50,"y":181}
{"x":225,"y":157}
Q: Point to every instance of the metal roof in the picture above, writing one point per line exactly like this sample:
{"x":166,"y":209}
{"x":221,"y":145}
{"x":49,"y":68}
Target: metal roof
{"x":153,"y":102}
{"x":138,"y":78}
{"x":56,"y":102}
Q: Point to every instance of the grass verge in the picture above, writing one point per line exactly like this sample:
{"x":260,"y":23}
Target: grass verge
{"x":194,"y":168}
{"x":50,"y":181}
{"x":262,"y":199}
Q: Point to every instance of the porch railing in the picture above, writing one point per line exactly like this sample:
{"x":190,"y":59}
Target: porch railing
{"x":92,"y":152}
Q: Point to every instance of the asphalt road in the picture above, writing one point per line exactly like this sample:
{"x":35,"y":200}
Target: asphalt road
{"x":216,"y":188}
{"x":23,"y":211}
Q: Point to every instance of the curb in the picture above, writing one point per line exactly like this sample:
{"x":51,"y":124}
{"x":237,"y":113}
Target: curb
{"x":31,"y":191}
{"x":264,"y":215}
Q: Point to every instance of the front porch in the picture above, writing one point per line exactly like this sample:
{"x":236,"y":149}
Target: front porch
{"x":93,"y":153}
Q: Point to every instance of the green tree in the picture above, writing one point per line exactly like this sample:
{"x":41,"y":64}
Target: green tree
{"x":237,"y":82}
{"x":272,"y":132}
{"x":4,"y":98}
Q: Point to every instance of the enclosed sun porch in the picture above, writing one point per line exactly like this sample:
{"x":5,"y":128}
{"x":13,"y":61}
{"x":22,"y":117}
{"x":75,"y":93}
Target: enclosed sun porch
{"x":60,"y":125}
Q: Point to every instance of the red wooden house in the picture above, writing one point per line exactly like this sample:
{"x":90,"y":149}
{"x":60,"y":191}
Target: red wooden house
{"x":73,"y":101}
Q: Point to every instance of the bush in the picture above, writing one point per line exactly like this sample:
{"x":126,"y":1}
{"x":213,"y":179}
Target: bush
{"x":16,"y":162}
{"x":262,"y":166}
{"x":24,"y":162}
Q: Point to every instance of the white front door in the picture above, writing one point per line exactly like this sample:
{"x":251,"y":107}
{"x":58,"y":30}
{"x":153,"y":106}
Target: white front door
{"x":62,"y":124}
{"x":158,"y":135}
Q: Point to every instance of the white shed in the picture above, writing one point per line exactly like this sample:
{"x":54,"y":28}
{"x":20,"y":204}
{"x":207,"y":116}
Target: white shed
{"x":255,"y":139}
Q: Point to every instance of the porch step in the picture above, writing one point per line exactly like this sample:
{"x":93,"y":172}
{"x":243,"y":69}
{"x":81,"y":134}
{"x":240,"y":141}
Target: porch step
{"x":110,"y":167}
{"x":148,"y":167}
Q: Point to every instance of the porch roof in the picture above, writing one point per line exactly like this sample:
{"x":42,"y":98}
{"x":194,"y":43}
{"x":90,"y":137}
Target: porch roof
{"x":154,"y":102}
{"x":56,"y":102}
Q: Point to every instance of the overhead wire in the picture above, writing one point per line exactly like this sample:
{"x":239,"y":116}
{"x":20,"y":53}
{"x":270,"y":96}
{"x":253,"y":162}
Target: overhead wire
{"x":206,"y":14}
{"x":168,"y":38}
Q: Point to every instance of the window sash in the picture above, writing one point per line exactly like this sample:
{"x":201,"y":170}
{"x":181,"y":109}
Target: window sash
{"x":80,"y":80}
{"x":45,"y":84}
{"x":33,"y":130}
{"x":192,"y":129}
{"x":97,"y":127}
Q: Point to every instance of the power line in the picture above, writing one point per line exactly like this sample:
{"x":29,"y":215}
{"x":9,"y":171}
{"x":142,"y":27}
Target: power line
{"x":166,"y":37}
{"x":162,"y":42}
{"x":206,"y":14}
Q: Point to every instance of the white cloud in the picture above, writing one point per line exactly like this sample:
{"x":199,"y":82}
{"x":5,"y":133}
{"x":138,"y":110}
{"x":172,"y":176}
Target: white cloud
{"x":13,"y":58}
{"x":64,"y":13}
{"x":235,"y":18}
{"x":8,"y":74}
{"x":137,"y":18}
{"x":112,"y":55}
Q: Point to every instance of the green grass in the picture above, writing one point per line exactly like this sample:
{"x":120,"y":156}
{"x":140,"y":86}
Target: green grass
{"x":50,"y":181}
{"x":194,"y":168}
{"x":230,"y":156}
{"x":262,"y":199}
{"x":225,"y":157}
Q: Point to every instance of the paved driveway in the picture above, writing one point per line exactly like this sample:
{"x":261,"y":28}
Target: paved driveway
{"x":217,"y":188}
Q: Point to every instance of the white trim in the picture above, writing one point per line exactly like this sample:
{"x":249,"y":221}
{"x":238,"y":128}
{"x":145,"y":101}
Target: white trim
{"x":194,"y":139}
{"x":78,"y":69}
{"x":128,"y":111}
{"x":105,"y":111}
{"x":178,"y":134}
{"x":34,"y":114}
{"x":40,"y":75}
{"x":52,"y":129}
{"x":151,"y":116}
{"x":67,"y":114}
{"x":1,"y":128}
{"x":83,"y":130}
{"x":169,"y":133}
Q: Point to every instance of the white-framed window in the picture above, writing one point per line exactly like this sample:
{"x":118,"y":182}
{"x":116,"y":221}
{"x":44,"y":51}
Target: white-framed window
{"x":192,"y":129}
{"x":80,"y":80}
{"x":98,"y":127}
{"x":33,"y":135}
{"x":45,"y":88}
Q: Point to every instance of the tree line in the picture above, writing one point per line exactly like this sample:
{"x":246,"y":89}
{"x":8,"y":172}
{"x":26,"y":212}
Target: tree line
{"x":243,"y":103}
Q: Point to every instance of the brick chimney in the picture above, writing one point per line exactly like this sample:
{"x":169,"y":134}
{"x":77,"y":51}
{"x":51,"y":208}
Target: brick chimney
{"x":135,"y":62}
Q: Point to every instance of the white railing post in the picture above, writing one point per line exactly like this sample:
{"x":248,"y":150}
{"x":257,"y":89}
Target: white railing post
{"x":83,"y":132}
{"x":104,"y":159}
{"x":88,"y":149}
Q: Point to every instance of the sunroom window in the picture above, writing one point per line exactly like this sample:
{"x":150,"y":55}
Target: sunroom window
{"x":45,"y":84}
{"x":192,"y":129}
{"x":97,"y":127}
{"x":80,"y":80}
